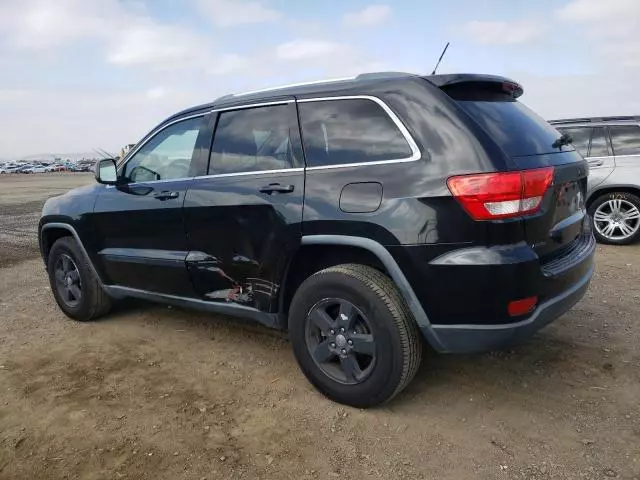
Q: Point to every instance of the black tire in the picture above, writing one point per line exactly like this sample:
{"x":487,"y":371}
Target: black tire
{"x":602,"y":200}
{"x":93,"y":301}
{"x":398,"y":345}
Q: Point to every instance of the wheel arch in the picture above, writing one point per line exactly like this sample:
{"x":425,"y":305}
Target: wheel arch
{"x":605,"y":189}
{"x":52,"y":231}
{"x":379,"y":257}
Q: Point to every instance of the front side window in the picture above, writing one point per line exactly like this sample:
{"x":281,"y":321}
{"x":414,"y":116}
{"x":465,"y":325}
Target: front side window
{"x":599,"y":147}
{"x":580,"y":137}
{"x":344,"y":131}
{"x":167,"y":155}
{"x":625,"y":139}
{"x":252,"y":140}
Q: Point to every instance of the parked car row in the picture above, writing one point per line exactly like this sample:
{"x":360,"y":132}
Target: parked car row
{"x":29,"y":168}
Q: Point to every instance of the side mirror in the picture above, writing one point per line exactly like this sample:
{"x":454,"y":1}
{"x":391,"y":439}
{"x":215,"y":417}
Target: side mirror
{"x":106,"y":171}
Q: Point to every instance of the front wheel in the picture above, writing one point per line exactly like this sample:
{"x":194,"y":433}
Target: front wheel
{"x":616,"y":218}
{"x":353,"y":336}
{"x":75,"y":287}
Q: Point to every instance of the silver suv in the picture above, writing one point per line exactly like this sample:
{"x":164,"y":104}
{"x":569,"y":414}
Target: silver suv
{"x":611,"y":145}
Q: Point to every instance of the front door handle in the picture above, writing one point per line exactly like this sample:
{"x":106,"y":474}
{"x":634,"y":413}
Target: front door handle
{"x":166,"y":195}
{"x":276,"y":188}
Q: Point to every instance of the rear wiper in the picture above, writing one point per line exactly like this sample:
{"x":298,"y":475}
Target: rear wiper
{"x":565,"y":139}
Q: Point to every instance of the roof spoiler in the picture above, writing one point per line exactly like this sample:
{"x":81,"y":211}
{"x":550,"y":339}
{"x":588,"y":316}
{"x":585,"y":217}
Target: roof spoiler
{"x":450,"y":80}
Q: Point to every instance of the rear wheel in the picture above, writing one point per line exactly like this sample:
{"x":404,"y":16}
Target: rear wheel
{"x":616,"y":218}
{"x":73,"y":283}
{"x":353,"y":336}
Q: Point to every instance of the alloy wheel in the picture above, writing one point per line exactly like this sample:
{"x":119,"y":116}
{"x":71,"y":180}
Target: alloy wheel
{"x":617,"y":219}
{"x":340,"y":340}
{"x":68,"y":282}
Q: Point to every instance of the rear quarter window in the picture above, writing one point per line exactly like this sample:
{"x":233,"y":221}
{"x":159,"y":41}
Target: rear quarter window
{"x":344,"y":131}
{"x":625,"y":139}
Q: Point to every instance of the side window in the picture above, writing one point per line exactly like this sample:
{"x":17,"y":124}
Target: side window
{"x":167,"y":155}
{"x":580,"y":138}
{"x":252,"y":140}
{"x":346,"y":131}
{"x":625,"y":139}
{"x":599,"y":147}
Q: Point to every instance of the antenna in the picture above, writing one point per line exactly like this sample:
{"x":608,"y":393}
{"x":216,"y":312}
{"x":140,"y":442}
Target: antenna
{"x":102,"y":153}
{"x":440,"y":59}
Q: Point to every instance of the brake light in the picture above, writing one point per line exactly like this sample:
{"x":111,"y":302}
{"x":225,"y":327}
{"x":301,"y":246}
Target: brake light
{"x":491,"y":196}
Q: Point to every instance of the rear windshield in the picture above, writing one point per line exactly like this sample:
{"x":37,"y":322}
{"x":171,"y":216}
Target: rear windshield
{"x":517,"y":129}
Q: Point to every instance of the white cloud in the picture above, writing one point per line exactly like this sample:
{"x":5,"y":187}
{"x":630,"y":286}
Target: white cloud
{"x":227,"y":13}
{"x":156,"y":93}
{"x":41,"y":24}
{"x":148,"y":43}
{"x":307,"y":49}
{"x":614,"y":27}
{"x":129,"y":36}
{"x":71,"y":120}
{"x":504,"y":33}
{"x":369,"y":16}
{"x":579,"y":95}
{"x":600,"y":11}
{"x":229,"y":63}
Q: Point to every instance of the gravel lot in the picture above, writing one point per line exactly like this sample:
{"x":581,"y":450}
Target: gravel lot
{"x":152,"y":392}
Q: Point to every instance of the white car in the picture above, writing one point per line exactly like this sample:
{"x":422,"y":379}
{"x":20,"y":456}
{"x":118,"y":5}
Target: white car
{"x":35,"y":170}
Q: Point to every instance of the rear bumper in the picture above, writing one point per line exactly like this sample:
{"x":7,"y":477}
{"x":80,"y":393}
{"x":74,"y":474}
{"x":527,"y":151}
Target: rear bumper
{"x":465,"y":291}
{"x":482,"y":338}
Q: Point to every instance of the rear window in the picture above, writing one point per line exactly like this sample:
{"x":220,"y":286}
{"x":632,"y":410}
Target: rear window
{"x":626,"y":139}
{"x":517,"y":129}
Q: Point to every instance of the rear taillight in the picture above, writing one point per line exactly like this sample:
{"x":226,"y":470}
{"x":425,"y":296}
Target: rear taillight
{"x":490,"y":196}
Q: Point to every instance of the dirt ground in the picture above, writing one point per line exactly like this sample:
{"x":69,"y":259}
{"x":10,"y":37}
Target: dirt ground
{"x":152,"y":392}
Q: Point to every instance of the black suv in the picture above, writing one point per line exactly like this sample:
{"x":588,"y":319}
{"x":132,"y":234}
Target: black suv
{"x":362,"y":215}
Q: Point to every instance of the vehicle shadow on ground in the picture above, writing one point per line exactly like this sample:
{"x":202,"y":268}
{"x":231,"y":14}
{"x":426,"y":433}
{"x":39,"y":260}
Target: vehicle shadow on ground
{"x":548,"y":362}
{"x":548,"y":365}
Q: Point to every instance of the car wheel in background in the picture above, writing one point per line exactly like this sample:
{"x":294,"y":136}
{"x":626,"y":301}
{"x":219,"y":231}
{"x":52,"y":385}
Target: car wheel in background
{"x":616,"y":218}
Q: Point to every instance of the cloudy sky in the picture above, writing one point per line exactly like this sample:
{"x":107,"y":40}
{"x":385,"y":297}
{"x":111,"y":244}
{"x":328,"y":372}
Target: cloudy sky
{"x":81,"y":74}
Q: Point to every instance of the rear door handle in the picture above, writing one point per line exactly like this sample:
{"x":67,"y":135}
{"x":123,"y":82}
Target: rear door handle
{"x":166,"y":195}
{"x":596,"y":163}
{"x":276,"y":188}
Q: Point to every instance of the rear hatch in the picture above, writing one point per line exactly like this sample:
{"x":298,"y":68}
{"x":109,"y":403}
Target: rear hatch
{"x":531,"y":143}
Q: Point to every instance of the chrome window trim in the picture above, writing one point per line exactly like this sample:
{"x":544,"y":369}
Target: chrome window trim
{"x":252,"y":105}
{"x":244,"y":174}
{"x":415,"y":155}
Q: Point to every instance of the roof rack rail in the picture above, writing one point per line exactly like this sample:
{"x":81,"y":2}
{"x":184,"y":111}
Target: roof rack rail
{"x":382,"y":75}
{"x":621,"y":118}
{"x":362,"y":76}
{"x":571,"y":120}
{"x":280,"y":87}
